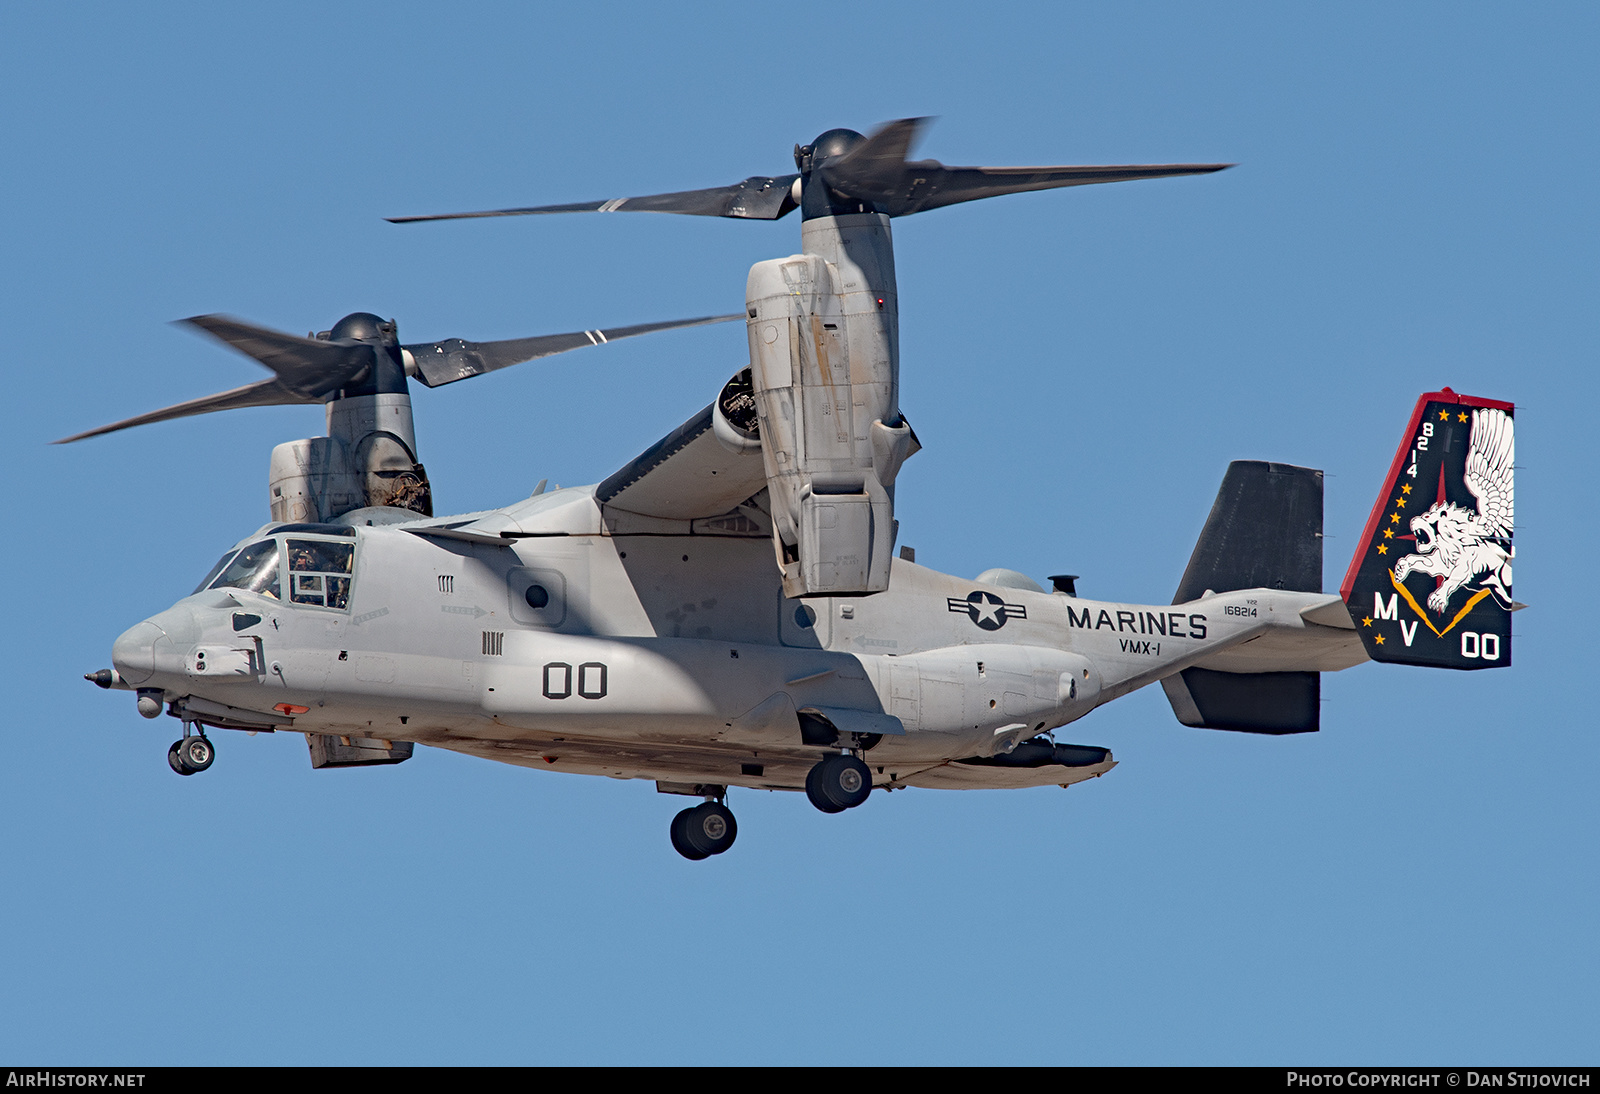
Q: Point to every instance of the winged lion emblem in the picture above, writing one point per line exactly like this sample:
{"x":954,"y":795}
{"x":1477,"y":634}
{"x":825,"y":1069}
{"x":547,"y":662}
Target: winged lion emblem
{"x":1466,"y":548}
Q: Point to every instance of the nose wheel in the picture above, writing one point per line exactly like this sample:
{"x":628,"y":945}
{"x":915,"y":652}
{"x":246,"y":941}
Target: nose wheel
{"x":703,"y":830}
{"x":838,"y":782}
{"x":191,"y":755}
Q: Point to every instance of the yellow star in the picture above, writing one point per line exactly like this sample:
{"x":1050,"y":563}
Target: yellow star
{"x":1405,"y":488}
{"x":1400,"y":502}
{"x":1444,"y":415}
{"x":1461,"y":417}
{"x":1378,"y":638}
{"x":1388,"y":533}
{"x":1367,"y":622}
{"x":1394,"y":518}
{"x":1383,"y":548}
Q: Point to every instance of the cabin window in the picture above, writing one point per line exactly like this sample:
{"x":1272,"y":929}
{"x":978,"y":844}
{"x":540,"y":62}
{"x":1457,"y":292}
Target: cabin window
{"x":254,"y":569}
{"x":319,"y":572}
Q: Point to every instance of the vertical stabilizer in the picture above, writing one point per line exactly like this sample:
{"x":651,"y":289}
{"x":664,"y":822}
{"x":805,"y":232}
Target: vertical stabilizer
{"x":1264,"y":532}
{"x":1430,"y":582}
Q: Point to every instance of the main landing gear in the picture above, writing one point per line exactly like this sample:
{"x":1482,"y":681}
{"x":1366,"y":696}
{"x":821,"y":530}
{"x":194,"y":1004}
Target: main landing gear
{"x":192,"y":754}
{"x":838,"y":782}
{"x":703,"y":830}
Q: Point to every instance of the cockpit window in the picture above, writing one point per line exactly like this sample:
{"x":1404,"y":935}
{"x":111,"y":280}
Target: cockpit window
{"x":319,"y":572}
{"x":205,"y":582}
{"x":254,"y":569}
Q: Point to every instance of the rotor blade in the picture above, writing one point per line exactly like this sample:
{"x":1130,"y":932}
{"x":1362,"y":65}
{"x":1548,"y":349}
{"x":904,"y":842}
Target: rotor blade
{"x":876,"y":171}
{"x":756,"y":198}
{"x":881,"y":155}
{"x":304,"y":366}
{"x":263,"y":393}
{"x":453,"y":359}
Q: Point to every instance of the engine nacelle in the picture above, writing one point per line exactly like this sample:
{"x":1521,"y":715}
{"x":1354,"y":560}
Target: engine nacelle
{"x":369,"y":457}
{"x":825,"y":370}
{"x":311,"y":481}
{"x":358,"y":465}
{"x":377,"y":432}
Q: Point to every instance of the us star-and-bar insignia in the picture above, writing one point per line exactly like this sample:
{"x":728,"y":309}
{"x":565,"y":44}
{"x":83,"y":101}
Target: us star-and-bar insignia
{"x":987,"y":610}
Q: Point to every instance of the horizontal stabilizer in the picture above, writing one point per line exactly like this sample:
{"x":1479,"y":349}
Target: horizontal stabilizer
{"x":1430,"y":581}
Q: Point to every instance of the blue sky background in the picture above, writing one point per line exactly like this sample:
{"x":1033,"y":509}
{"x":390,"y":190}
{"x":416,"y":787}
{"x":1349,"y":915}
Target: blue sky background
{"x":1414,"y":206}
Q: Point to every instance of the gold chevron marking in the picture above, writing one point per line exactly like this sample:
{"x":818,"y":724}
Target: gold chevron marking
{"x":1465,"y":608}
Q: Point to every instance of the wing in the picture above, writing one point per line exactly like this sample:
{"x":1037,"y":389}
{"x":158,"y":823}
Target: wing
{"x":1490,"y":455}
{"x":686,"y":475}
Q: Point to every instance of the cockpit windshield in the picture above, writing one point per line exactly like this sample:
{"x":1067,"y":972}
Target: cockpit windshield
{"x":254,"y":569}
{"x":205,"y":582}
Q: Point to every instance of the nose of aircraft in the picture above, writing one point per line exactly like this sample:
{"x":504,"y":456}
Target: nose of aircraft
{"x":134,"y":653}
{"x":154,"y":645}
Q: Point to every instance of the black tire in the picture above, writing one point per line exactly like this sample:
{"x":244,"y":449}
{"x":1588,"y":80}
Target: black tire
{"x":838,"y":783}
{"x":196,"y":753}
{"x":815,"y":792}
{"x":680,"y":838}
{"x":706,"y":830}
{"x":175,"y":761}
{"x":711,"y":827}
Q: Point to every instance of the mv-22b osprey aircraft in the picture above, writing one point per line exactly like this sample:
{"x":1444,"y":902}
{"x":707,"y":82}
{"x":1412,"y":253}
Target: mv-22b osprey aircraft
{"x":727,"y":608}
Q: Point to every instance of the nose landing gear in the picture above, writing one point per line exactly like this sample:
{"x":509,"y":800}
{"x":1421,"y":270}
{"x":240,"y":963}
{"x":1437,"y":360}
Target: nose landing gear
{"x":703,"y":830}
{"x":192,"y":754}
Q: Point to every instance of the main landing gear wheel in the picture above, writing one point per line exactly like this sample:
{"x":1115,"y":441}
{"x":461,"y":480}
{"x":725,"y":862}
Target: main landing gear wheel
{"x":704,"y":830}
{"x":837,"y":783}
{"x":191,"y":755}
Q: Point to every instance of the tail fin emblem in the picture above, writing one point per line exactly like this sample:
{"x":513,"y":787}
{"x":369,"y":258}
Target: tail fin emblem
{"x":1461,"y":547}
{"x":1461,"y":451}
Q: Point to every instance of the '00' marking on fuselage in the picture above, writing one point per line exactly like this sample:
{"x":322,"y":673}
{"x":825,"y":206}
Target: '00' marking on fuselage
{"x":591,"y":679}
